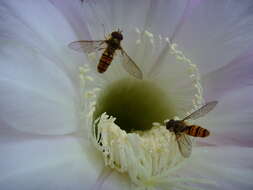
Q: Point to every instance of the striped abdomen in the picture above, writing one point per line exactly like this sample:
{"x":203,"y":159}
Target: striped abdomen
{"x":196,"y":131}
{"x":105,"y":60}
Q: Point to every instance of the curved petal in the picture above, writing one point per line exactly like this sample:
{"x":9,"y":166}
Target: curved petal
{"x":228,"y":167}
{"x":56,"y":162}
{"x":230,"y":123}
{"x":74,"y":14}
{"x":45,"y":84}
{"x":168,"y":17}
{"x":117,"y":181}
{"x":33,"y":90}
{"x":233,"y":76}
{"x":113,"y":15}
{"x":216,"y":33}
{"x":39,"y":75}
{"x":19,"y":25}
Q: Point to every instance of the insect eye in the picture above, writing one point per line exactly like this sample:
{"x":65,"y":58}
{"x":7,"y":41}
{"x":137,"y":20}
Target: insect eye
{"x":170,"y":128}
{"x":117,"y":35}
{"x":120,"y":37}
{"x":171,"y":121}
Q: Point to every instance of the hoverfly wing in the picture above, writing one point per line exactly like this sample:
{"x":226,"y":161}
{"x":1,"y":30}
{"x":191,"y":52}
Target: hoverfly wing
{"x":202,"y":111}
{"x":184,"y":145}
{"x":87,"y":46}
{"x":130,"y":66}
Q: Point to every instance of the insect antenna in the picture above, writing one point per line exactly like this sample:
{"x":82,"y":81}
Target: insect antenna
{"x":120,"y":31}
{"x":103,"y":25}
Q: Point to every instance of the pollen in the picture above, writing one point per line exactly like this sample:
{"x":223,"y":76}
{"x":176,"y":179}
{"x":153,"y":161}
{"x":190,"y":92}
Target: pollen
{"x":147,"y":157}
{"x":127,"y":115}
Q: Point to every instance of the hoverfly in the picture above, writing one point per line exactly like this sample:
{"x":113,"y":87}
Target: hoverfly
{"x":109,"y":46}
{"x":182,"y":130}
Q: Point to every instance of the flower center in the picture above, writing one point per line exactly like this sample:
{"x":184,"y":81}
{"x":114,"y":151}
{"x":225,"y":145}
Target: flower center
{"x":135,"y":103}
{"x":127,"y":114}
{"x":148,"y":157}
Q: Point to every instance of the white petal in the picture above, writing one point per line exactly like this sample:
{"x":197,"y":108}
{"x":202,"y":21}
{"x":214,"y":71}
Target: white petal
{"x":117,"y":181}
{"x":233,"y":76}
{"x":48,"y":37}
{"x":231,"y":121}
{"x":216,"y":33}
{"x":114,"y":14}
{"x":74,"y":14}
{"x":34,"y":90}
{"x":45,"y":163}
{"x":230,"y":167}
{"x":166,"y":17}
{"x":39,"y":81}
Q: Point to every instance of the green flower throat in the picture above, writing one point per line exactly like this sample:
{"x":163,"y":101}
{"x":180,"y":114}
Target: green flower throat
{"x":135,"y":104}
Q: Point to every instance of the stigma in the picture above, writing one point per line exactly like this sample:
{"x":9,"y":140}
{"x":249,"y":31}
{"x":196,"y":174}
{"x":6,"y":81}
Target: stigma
{"x":147,"y":157}
{"x":128,"y":115}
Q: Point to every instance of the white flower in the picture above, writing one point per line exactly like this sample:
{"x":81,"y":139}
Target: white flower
{"x":54,"y":131}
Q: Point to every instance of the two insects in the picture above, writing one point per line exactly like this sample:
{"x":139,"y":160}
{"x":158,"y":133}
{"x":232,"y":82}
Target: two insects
{"x":182,"y":130}
{"x":109,"y":47}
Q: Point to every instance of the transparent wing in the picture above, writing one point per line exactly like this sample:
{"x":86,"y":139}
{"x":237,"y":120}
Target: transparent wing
{"x":88,"y":46}
{"x":130,"y":66}
{"x":202,"y":111}
{"x":184,"y":145}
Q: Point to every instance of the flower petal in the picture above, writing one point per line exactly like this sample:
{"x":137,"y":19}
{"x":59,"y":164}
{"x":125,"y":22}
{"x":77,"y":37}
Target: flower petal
{"x":117,"y":181}
{"x":44,"y":163}
{"x":216,"y":33}
{"x":46,"y":37}
{"x":73,"y":12}
{"x":230,"y":123}
{"x":233,"y":76}
{"x":34,"y":90}
{"x":114,"y":15}
{"x":38,"y":73}
{"x":230,"y":167}
{"x":168,"y":17}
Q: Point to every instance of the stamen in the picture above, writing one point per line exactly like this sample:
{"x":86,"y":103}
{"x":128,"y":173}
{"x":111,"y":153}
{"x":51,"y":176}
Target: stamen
{"x":127,"y":117}
{"x":193,"y":73}
{"x":145,"y":156}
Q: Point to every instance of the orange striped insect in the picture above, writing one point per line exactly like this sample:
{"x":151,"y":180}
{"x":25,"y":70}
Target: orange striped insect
{"x":183,"y":131}
{"x":110,"y":46}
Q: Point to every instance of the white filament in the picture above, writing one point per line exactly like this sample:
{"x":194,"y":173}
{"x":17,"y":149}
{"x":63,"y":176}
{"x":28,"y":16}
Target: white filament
{"x":147,"y":157}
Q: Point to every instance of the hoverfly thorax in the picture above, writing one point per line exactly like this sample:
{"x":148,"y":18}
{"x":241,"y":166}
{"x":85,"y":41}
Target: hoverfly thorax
{"x":117,"y":35}
{"x":182,"y":130}
{"x":170,"y":125}
{"x":114,"y":41}
{"x":175,"y":126}
{"x":106,"y":49}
